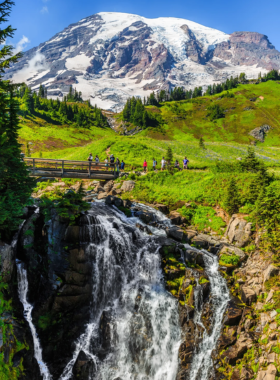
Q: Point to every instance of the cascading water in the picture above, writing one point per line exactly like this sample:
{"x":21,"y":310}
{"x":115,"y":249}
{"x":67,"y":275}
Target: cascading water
{"x":202,"y":361}
{"x":128,"y":283}
{"x":22,"y":292}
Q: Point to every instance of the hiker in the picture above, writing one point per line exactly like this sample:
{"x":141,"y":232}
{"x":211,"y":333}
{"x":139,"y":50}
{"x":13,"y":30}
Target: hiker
{"x":162,"y":164}
{"x":122,"y":165}
{"x":154,"y":164}
{"x":176,"y":165}
{"x":185,"y":163}
{"x":97,"y":159}
{"x":118,"y":164}
{"x":112,"y":161}
{"x":90,"y":157}
{"x":145,"y":164}
{"x":106,"y":163}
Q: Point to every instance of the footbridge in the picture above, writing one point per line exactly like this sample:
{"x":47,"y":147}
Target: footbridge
{"x":44,"y":167}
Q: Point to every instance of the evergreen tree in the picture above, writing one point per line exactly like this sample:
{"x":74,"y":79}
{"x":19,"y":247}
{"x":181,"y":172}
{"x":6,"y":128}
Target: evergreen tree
{"x":15,"y":183}
{"x":28,"y":100}
{"x":201,"y":143}
{"x":169,"y":155}
{"x":232,"y":201}
{"x":41,"y":92}
{"x":27,"y":150}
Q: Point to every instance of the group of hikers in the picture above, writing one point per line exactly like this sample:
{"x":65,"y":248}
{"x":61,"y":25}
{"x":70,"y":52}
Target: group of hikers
{"x":120,"y":165}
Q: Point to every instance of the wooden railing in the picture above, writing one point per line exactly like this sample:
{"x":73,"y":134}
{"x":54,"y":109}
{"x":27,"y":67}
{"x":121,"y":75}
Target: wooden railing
{"x":71,"y":169}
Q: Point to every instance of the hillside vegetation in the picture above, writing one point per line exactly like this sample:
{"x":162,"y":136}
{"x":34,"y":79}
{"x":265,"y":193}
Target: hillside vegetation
{"x":180,"y":125}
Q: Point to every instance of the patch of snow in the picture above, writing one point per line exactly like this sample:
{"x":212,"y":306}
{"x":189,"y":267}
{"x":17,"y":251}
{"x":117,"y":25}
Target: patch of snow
{"x":80,"y":63}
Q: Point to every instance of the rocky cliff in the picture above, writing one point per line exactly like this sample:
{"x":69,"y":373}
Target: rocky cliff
{"x":111,"y":56}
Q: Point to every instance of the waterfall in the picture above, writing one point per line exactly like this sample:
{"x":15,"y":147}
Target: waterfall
{"x":128,"y":283}
{"x":202,"y":361}
{"x":27,"y":307}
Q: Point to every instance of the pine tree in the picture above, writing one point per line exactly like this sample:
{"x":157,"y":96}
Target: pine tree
{"x":41,"y":92}
{"x":28,"y":100}
{"x":169,"y":155}
{"x":201,"y":143}
{"x":15,"y":183}
{"x":27,"y":150}
{"x":232,"y":203}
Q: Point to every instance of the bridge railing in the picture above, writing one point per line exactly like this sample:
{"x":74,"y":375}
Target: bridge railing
{"x":62,"y":166}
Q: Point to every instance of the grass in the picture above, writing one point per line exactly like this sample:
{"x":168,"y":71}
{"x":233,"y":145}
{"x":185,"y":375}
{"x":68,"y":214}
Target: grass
{"x":184,"y":122}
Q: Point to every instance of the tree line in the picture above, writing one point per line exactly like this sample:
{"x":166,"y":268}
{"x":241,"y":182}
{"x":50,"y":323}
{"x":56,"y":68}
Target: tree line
{"x":134,"y":112}
{"x":82,"y":115}
{"x":180,"y":93}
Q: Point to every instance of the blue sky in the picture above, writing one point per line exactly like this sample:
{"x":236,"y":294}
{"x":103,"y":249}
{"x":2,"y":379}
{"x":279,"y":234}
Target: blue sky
{"x":38,"y":20}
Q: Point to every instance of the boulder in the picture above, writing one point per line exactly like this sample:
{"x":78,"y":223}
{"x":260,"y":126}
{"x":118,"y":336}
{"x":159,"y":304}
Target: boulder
{"x":238,"y":231}
{"x":118,"y":202}
{"x":269,"y":374}
{"x":112,"y":192}
{"x":248,"y":295}
{"x":108,"y":186}
{"x":259,"y":133}
{"x":127,"y":203}
{"x":233,"y":314}
{"x":162,"y":208}
{"x":128,"y":186}
{"x":102,"y":195}
{"x":146,"y":216}
{"x":191,"y":234}
{"x":235,"y":352}
{"x":269,"y":272}
{"x":99,"y":189}
{"x":176,"y":218}
{"x":175,"y":233}
{"x":232,"y":250}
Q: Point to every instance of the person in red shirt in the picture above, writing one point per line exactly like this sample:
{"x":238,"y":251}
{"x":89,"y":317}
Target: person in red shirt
{"x":145,"y":166}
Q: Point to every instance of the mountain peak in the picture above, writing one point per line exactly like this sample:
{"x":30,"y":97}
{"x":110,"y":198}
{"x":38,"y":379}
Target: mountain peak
{"x":110,"y":56}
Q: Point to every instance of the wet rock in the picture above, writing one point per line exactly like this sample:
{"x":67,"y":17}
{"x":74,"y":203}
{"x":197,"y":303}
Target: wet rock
{"x":127,"y":203}
{"x":7,"y":263}
{"x":72,"y":234}
{"x":82,"y":367}
{"x":128,"y":186}
{"x":175,"y":233}
{"x":238,"y":231}
{"x":248,"y":295}
{"x":146,"y":216}
{"x":176,"y":218}
{"x":162,"y":208}
{"x":100,"y":189}
{"x":191,"y":234}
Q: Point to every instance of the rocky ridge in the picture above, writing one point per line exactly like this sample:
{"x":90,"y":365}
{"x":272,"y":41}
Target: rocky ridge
{"x":112,"y":56}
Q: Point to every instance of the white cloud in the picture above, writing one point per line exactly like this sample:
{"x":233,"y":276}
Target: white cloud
{"x":36,"y":65}
{"x":21,"y":45}
{"x":44,"y":10}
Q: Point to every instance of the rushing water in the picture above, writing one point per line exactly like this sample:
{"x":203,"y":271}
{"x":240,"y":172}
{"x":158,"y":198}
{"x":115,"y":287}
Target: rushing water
{"x":23,"y":292}
{"x":202,"y":361}
{"x":128,"y":285}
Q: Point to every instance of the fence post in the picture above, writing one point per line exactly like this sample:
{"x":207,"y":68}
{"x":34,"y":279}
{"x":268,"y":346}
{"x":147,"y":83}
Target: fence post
{"x":114,"y":170}
{"x":33,"y":166}
{"x":89,"y":169}
{"x":62,"y":169}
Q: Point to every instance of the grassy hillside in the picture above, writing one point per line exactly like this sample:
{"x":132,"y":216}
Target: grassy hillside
{"x":183,"y":123}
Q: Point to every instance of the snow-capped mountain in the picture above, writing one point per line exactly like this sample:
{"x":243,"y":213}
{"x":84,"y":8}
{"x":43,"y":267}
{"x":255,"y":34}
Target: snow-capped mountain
{"x":111,"y":56}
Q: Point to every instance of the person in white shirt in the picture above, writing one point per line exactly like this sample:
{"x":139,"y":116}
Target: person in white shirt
{"x":90,"y":157}
{"x":162,"y":164}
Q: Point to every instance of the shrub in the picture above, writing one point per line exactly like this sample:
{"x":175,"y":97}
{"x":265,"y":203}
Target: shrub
{"x":215,"y":112}
{"x":229,"y":260}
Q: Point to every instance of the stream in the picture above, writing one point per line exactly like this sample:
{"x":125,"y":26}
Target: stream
{"x":129,"y":290}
